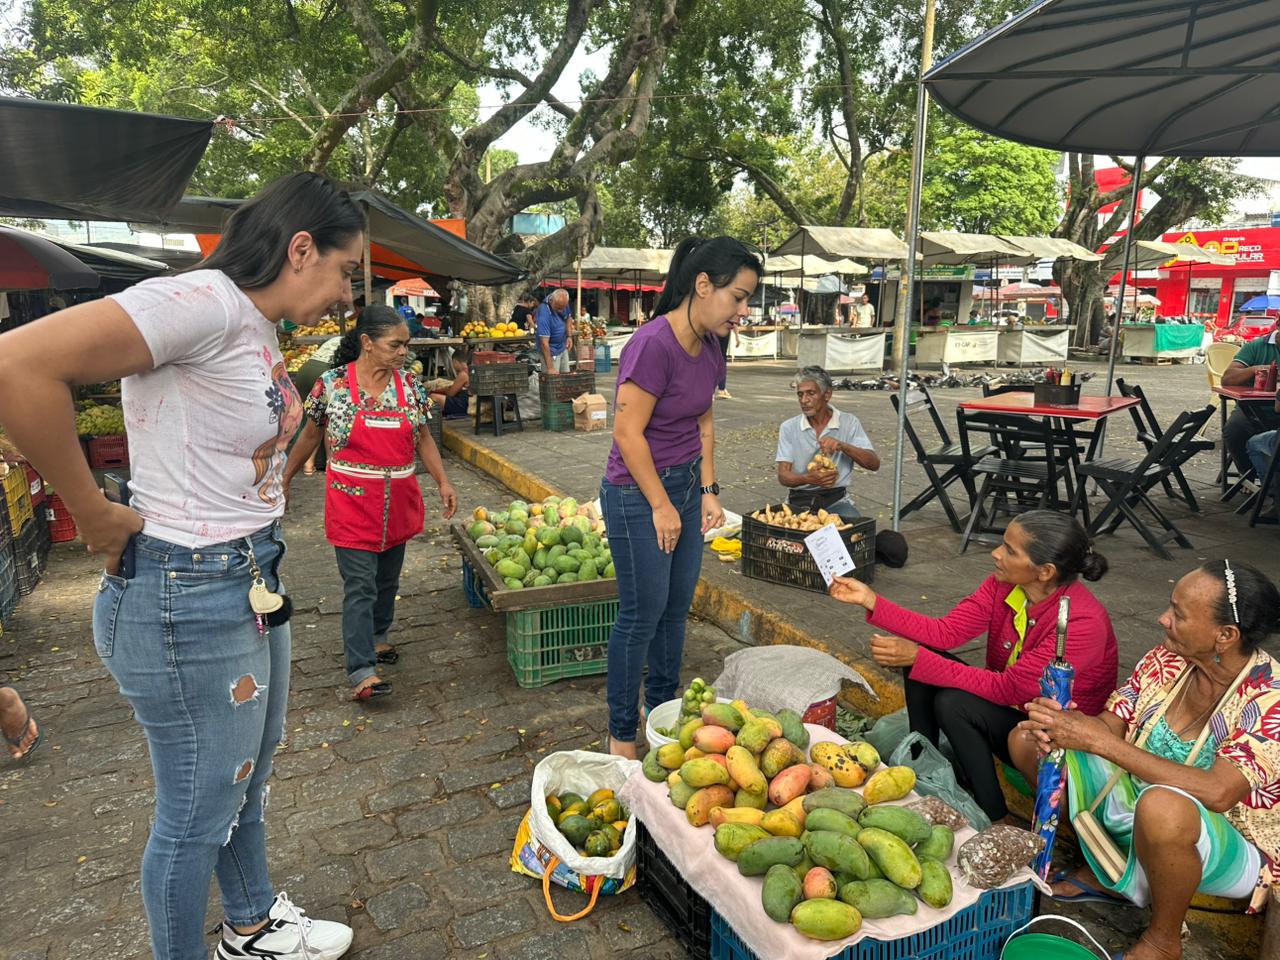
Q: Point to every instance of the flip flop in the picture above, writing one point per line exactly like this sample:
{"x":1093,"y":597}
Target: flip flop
{"x":26,"y":728}
{"x":1087,"y":894}
{"x":373,"y":690}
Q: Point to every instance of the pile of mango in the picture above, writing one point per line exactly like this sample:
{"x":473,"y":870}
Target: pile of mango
{"x":594,"y":824}
{"x":536,"y":545}
{"x":820,"y":828}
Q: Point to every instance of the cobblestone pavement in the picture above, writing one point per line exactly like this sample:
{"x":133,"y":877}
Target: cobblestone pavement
{"x":397,"y":817}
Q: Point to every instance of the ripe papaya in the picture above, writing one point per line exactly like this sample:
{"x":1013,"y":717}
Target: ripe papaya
{"x":819,"y":884}
{"x":755,"y":860}
{"x":711,"y":739}
{"x":743,"y":769}
{"x":782,"y":891}
{"x":891,"y":783}
{"x":864,"y":753}
{"x":846,"y":771}
{"x":755,"y":735}
{"x":789,"y":784}
{"x":935,"y":884}
{"x":826,"y":919}
{"x":838,"y":852}
{"x":847,"y":802}
{"x":698,"y":809}
{"x":877,"y":899}
{"x":939,"y":845}
{"x":671,"y":755}
{"x":747,"y":815}
{"x":704,"y":772}
{"x":899,"y":821}
{"x":782,"y":823}
{"x":892,"y":855}
{"x":732,"y":838}
{"x":721,"y":715}
{"x":778,"y":755}
{"x":820,"y":778}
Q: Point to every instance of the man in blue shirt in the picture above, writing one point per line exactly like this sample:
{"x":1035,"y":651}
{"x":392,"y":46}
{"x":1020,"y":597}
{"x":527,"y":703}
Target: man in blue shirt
{"x":821,"y":428}
{"x":554,"y":335}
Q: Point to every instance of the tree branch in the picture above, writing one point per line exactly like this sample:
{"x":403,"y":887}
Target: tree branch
{"x":279,"y":101}
{"x":502,"y":73}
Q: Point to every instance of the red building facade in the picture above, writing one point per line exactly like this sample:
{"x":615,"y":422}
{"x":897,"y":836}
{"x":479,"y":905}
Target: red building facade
{"x":1211,"y":292}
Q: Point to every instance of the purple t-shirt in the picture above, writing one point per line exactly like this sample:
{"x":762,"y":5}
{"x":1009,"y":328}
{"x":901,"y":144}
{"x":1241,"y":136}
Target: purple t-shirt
{"x":654,"y":361}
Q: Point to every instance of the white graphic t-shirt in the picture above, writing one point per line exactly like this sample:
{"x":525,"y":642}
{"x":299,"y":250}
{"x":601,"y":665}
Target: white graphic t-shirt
{"x":208,"y":427}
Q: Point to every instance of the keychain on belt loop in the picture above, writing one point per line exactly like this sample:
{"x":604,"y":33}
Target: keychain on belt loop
{"x":261,"y":600}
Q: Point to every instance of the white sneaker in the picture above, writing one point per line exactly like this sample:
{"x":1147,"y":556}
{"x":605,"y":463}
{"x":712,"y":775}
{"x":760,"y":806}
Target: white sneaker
{"x":288,"y":935}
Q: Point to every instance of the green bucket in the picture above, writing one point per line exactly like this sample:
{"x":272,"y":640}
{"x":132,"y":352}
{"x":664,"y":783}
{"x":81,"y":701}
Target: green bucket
{"x":1045,"y":946}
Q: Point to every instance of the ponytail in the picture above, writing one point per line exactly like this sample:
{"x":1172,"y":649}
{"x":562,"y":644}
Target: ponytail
{"x":375,"y":322}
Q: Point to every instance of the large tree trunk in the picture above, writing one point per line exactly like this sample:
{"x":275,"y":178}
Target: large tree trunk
{"x":1082,"y":288}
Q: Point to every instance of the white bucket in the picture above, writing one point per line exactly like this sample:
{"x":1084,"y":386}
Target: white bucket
{"x":665,"y":715}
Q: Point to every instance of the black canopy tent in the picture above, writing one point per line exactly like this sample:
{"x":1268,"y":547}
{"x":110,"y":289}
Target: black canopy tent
{"x":1187,"y":78}
{"x":65,"y":161}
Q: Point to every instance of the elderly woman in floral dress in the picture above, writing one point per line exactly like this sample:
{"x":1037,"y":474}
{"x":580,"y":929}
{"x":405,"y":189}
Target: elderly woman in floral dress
{"x":1182,"y":770}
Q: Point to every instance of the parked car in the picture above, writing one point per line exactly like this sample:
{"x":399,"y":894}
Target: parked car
{"x":1245,"y":327}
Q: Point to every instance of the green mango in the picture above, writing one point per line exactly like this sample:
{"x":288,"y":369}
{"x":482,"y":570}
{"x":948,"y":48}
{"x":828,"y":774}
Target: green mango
{"x":598,"y":844}
{"x":781,"y":892}
{"x":566,"y":564}
{"x":588,"y":570}
{"x":493,"y":555}
{"x":576,"y":829}
{"x":487,"y":541}
{"x":550,"y":573}
{"x":515,"y":584}
{"x":608,"y":570}
{"x":517,"y":527}
{"x":557,"y":550}
{"x":551,"y":515}
{"x":935,"y":885}
{"x":542,"y":581}
{"x":540,"y":558}
{"x":509,"y":570}
{"x":567,"y":578}
{"x":549,"y":536}
{"x":570,"y":534}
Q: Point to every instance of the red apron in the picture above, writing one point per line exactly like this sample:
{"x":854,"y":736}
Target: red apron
{"x":372,"y":498}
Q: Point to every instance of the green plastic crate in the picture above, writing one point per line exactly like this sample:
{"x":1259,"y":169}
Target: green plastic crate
{"x":557,"y":642}
{"x":557,"y":417}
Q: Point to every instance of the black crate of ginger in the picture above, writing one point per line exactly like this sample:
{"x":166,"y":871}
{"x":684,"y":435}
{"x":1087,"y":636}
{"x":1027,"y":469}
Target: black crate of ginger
{"x":778,"y":554}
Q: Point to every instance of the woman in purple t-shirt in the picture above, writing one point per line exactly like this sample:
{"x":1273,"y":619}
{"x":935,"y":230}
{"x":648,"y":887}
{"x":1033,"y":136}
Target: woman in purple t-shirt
{"x":659,"y":492}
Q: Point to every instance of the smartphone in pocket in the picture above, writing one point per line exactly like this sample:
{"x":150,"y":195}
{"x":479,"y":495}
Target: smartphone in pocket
{"x":117,"y":489}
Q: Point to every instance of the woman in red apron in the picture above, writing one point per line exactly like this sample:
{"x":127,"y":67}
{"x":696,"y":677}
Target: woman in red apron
{"x":373,"y":417}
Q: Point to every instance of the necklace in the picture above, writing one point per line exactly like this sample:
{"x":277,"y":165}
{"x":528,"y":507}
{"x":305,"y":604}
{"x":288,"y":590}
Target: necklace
{"x":1198,"y":721}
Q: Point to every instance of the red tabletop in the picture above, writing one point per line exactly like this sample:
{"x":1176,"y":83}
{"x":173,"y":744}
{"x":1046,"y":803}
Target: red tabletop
{"x":1244,"y":393}
{"x":1089,"y":408}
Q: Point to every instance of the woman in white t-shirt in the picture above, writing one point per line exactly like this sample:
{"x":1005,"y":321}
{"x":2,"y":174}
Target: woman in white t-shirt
{"x":183,"y":616}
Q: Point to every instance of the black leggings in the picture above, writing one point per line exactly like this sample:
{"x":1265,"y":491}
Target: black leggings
{"x":977,"y":729}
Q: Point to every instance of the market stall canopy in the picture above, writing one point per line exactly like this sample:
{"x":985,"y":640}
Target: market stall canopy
{"x":113,"y":264}
{"x":1260,"y":304}
{"x":404,"y":245}
{"x":637,"y":264}
{"x":810,"y":266}
{"x":1185,"y":78}
{"x":855,"y":243}
{"x":1152,"y":254}
{"x":1049,"y":248}
{"x":1018,"y":291}
{"x":948,"y":247}
{"x":65,"y":161}
{"x":414,"y":287}
{"x":29,"y":261}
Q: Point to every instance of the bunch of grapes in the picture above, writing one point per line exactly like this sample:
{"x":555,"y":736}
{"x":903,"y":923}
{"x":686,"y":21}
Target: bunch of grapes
{"x":100,"y":420}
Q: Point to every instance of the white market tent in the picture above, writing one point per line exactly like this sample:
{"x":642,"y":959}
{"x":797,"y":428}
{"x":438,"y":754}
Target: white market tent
{"x":1142,"y":78}
{"x":811,"y":265}
{"x":1049,"y":248}
{"x":855,"y":243}
{"x":949,"y":247}
{"x":1152,"y":254}
{"x":626,"y":264}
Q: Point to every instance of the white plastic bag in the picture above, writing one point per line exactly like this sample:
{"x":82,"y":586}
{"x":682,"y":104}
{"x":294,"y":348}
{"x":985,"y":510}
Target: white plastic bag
{"x":780,"y":676}
{"x":731,"y":528}
{"x":582,"y":772}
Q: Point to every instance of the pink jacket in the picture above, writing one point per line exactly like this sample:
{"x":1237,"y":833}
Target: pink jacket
{"x":1091,"y":644}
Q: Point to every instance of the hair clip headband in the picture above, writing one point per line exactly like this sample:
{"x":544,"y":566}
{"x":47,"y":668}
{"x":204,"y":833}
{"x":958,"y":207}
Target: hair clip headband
{"x":1231,"y":592}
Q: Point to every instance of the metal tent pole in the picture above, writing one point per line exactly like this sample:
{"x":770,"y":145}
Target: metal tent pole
{"x":913,"y":242}
{"x":1124,"y":270}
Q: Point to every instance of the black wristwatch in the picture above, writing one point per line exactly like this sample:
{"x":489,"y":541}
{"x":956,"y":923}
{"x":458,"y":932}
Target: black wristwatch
{"x":714,"y":489}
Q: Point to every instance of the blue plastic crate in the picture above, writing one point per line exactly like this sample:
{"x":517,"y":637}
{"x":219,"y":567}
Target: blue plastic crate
{"x":604,"y":362}
{"x":975,"y":933}
{"x":473,"y":587}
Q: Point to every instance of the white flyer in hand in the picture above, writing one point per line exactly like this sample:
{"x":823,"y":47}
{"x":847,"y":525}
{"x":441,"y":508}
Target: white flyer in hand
{"x":829,"y":552}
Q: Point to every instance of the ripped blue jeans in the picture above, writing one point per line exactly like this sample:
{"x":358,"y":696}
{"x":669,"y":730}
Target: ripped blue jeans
{"x":210,"y":691}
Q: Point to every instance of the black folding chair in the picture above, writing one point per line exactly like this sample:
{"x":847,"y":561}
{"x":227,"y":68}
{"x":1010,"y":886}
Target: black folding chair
{"x":945,"y":454}
{"x":1267,"y":488}
{"x":1126,"y":483}
{"x":1149,"y":431}
{"x":1010,"y":485}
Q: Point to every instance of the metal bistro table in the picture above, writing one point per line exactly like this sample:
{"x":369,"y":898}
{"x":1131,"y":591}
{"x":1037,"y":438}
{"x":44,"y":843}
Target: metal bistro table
{"x":1245,"y":398}
{"x":1062,"y":418}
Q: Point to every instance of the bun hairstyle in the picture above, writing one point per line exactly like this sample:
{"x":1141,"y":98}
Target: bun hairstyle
{"x":255,"y":243}
{"x":376,"y":322}
{"x":720,"y":258}
{"x":1059,"y":539}
{"x":1256,"y":611}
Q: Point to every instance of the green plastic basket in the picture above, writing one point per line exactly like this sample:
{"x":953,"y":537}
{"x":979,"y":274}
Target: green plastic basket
{"x":557,"y":642}
{"x":557,"y":417}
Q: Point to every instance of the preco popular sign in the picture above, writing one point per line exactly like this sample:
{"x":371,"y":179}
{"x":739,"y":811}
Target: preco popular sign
{"x":1252,"y":250}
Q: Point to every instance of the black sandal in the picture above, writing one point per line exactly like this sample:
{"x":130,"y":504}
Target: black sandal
{"x":380,"y":689}
{"x":388,"y":656}
{"x":27,"y":724}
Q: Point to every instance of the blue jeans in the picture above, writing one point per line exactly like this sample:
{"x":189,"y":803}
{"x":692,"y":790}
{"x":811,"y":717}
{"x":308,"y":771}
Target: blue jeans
{"x":655,"y":590}
{"x":1261,"y":446}
{"x":210,"y":692}
{"x":370,"y":580}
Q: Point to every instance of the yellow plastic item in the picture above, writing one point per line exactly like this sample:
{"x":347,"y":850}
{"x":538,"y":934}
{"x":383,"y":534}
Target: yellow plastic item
{"x":726,"y":545}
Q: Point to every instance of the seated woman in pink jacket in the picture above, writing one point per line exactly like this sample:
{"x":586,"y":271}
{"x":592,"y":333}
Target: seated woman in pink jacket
{"x":1042,"y":556}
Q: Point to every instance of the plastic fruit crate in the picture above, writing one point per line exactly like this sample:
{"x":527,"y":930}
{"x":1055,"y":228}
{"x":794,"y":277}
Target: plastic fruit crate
{"x":686,"y":914}
{"x":564,"y":387}
{"x":8,"y":585}
{"x":35,"y":484}
{"x":435,"y":426}
{"x":779,"y":555}
{"x":557,"y":417}
{"x":17,"y":498}
{"x":26,"y":558}
{"x":567,"y":640}
{"x":473,"y":588}
{"x":44,"y":541}
{"x":62,"y":527}
{"x":482,"y":358}
{"x":604,"y":362}
{"x":977,"y":932}
{"x":496,"y":379}
{"x":108,"y":452}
